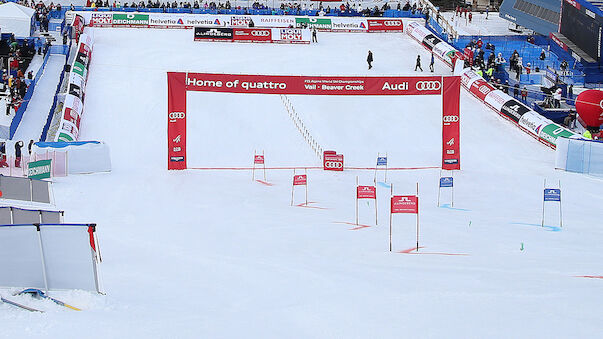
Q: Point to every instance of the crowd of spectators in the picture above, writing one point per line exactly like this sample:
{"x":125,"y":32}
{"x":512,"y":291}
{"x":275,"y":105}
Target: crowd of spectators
{"x":15,"y":80}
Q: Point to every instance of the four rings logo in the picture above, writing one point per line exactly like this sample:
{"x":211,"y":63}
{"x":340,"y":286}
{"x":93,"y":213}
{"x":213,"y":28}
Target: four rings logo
{"x":451,"y":118}
{"x":333,"y":164}
{"x":173,"y":116}
{"x":392,"y":23}
{"x":260,"y":33}
{"x":428,"y":85}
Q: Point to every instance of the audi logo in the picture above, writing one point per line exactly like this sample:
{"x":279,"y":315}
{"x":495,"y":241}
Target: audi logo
{"x":428,"y":85}
{"x":601,"y":103}
{"x":333,"y":164}
{"x":260,"y":33}
{"x":392,"y":23}
{"x":176,"y":115}
{"x":451,"y":118}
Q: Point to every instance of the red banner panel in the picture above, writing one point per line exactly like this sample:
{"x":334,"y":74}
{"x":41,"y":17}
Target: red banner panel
{"x":405,"y":204}
{"x":366,"y":192}
{"x":385,"y":25}
{"x":451,"y":150}
{"x":258,"y":159}
{"x":481,"y":88}
{"x":313,"y":85}
{"x":252,"y":34}
{"x":332,"y":162}
{"x":176,"y":121}
{"x":301,"y":179}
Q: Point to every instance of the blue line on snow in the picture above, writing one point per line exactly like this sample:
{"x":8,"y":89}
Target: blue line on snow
{"x":546,"y":227}
{"x":384,"y":184}
{"x":453,"y":208}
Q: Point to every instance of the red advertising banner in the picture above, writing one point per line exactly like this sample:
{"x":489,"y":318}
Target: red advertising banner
{"x":405,"y":204}
{"x":301,"y":179}
{"x":385,"y":25}
{"x":451,"y":150}
{"x":481,"y":88}
{"x":252,"y":34}
{"x":314,"y":85}
{"x":332,"y":162}
{"x":258,"y":159}
{"x":176,"y":121}
{"x":366,"y":192}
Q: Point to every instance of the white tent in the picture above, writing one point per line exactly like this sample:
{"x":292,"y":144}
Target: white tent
{"x":16,"y":19}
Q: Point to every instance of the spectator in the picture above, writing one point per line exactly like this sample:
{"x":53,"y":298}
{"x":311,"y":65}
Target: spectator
{"x":570,"y":119}
{"x":506,"y":87}
{"x":542,"y":55}
{"x":570,"y":91}
{"x":18,"y":146}
{"x":557,"y":98}
{"x":524,"y":94}
{"x":431,"y":63}
{"x":516,"y":91}
{"x":563,"y":67}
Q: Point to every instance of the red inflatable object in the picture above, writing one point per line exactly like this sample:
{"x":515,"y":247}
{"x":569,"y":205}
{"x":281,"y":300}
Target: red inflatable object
{"x":589,"y":105}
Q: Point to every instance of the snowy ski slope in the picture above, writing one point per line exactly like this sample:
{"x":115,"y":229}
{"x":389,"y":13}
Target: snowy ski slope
{"x":212,"y":254}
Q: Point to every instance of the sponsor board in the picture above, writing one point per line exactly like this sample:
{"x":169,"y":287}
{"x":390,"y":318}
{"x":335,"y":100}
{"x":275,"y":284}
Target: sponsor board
{"x":101,"y":20}
{"x":513,"y":109}
{"x":318,"y":23}
{"x":71,"y":116}
{"x":131,"y":20}
{"x":40,"y":169}
{"x":385,"y":25}
{"x":240,"y":21}
{"x":277,"y":84}
{"x":553,"y":131}
{"x":468,"y":77}
{"x":252,"y":35}
{"x":418,"y":32}
{"x":430,"y":41}
{"x":366,"y":192}
{"x":333,"y":162}
{"x":291,"y":35}
{"x":533,"y":122}
{"x":446,"y":52}
{"x":348,"y":25}
{"x":481,"y":88}
{"x":496,"y":99}
{"x":552,"y":194}
{"x":258,"y":159}
{"x":405,"y":204}
{"x":213,"y":34}
{"x":557,"y":41}
{"x":446,"y":182}
{"x":301,"y":179}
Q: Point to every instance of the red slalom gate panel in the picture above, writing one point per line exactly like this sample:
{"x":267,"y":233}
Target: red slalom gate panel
{"x":366,"y":192}
{"x":405,"y":204}
{"x":301,"y":179}
{"x":258,"y":159}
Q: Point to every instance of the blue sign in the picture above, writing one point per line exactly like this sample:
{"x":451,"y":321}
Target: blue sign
{"x":552,"y":194}
{"x":446,"y":182}
{"x":381,"y":161}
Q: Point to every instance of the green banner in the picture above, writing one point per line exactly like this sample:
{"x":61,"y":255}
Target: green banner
{"x":80,"y":69}
{"x":551,"y":132}
{"x":313,"y":22}
{"x":65,"y":137}
{"x":39,"y":169}
{"x":130,"y":19}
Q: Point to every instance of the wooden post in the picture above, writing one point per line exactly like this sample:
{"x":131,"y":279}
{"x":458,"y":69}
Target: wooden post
{"x":417,"y":217}
{"x":560,"y":215}
{"x":292,"y":186}
{"x":306,"y":173}
{"x":264,"y":164}
{"x":543,"y":188}
{"x":375,"y":183}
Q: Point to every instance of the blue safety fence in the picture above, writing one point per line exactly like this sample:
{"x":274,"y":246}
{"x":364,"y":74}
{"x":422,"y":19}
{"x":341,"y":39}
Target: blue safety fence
{"x":30,"y":90}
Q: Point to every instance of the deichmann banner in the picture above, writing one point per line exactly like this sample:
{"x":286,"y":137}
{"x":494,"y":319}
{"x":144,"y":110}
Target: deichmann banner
{"x":39,"y":169}
{"x":451,"y":143}
{"x":180,"y":83}
{"x":313,"y":22}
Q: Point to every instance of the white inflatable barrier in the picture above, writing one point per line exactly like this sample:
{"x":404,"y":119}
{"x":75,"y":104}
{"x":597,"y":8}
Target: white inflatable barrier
{"x":82,"y":156}
{"x":579,"y":156}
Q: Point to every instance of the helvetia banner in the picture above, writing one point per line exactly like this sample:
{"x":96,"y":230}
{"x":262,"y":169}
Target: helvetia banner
{"x":451,"y":150}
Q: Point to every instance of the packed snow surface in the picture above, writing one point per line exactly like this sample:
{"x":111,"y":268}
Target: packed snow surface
{"x":213,"y":254}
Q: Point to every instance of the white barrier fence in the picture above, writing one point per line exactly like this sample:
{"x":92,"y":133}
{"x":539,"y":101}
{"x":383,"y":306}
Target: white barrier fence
{"x":301,"y":127}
